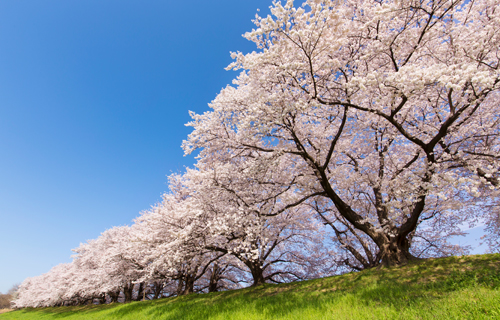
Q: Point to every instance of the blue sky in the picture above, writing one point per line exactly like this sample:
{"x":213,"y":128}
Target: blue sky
{"x":94,"y":96}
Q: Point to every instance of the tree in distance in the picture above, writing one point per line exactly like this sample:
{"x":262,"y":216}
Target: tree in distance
{"x":6,"y":299}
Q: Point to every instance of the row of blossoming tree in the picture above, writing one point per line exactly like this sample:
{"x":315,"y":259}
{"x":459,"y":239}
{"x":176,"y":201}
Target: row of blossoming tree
{"x":361,"y":134}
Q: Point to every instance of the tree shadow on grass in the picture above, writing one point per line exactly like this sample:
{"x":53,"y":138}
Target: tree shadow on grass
{"x":265,"y":301}
{"x":64,"y":312}
{"x":427,"y":281}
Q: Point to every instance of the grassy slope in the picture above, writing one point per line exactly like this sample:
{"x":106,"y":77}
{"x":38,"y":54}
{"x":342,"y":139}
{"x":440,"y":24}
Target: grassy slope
{"x":450,"y":288}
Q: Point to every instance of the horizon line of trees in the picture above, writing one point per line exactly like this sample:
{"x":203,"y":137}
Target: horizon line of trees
{"x":7,"y":298}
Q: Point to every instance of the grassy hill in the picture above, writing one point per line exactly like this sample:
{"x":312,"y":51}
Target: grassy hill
{"x":449,"y":288}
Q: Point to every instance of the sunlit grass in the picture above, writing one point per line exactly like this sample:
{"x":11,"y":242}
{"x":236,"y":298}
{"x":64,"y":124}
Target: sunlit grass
{"x":450,"y":288}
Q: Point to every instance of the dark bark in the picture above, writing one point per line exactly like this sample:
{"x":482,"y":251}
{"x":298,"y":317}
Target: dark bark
{"x":113,"y":296}
{"x":127,"y":292}
{"x":185,"y":285}
{"x":101,"y":298}
{"x":180,"y":286}
{"x":158,"y":287}
{"x":188,"y":284}
{"x":396,"y":252}
{"x":214,"y":278}
{"x":140,"y":292}
{"x":257,"y":273}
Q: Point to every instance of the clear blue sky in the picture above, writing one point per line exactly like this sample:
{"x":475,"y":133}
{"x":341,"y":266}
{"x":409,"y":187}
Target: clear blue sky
{"x":94,"y":96}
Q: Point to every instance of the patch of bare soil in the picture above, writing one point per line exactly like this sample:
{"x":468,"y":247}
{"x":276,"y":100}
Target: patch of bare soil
{"x":5,"y":310}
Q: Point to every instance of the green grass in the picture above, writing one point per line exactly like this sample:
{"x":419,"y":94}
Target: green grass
{"x":449,"y":288}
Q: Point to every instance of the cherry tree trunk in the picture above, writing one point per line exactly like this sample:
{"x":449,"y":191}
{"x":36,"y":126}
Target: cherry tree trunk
{"x":113,"y":296}
{"x":257,"y":273}
{"x":140,"y":292}
{"x":157,"y":290}
{"x":188,"y":285}
{"x":127,"y":292}
{"x":395,"y":251}
{"x":180,"y":286}
{"x":214,"y":279}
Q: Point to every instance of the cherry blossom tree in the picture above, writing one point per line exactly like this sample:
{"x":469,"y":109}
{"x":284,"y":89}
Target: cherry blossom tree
{"x":110,"y":264}
{"x":241,"y":214}
{"x":162,"y":235}
{"x":385,"y":114}
{"x":53,"y":288}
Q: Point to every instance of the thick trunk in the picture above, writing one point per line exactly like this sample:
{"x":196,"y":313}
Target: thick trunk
{"x":127,"y":292}
{"x":158,"y":289}
{"x":395,"y":251}
{"x":180,"y":286}
{"x":257,"y":273}
{"x":113,"y":296}
{"x":140,"y":292}
{"x":188,"y":285}
{"x":214,"y":279}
